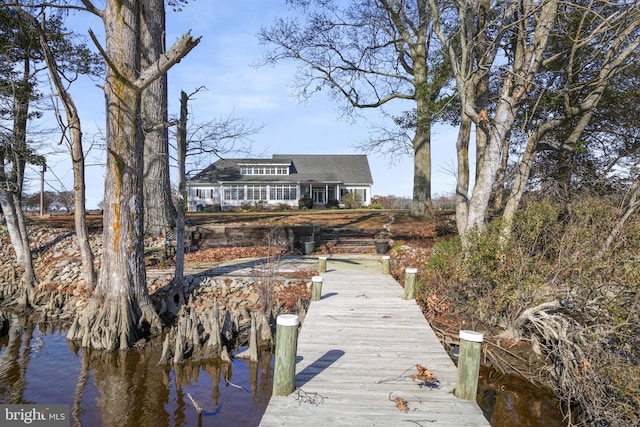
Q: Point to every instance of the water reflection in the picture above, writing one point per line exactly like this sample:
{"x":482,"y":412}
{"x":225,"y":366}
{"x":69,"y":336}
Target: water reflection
{"x":509,"y":401}
{"x":129,"y":389}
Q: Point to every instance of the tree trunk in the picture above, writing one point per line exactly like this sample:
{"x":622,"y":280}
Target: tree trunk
{"x":462,"y":179}
{"x":11,"y":196}
{"x":422,"y":159}
{"x":159,"y":212}
{"x":11,"y":219}
{"x":632,"y":206}
{"x":176,"y":296}
{"x":120,"y":311}
{"x":421,"y":174}
{"x":481,"y":195}
{"x":500,"y":190}
{"x":519,"y":184}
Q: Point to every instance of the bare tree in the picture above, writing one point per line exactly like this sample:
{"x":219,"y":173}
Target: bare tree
{"x":368,"y":54}
{"x":217,"y":138}
{"x":77,"y":154}
{"x":120,"y":311}
{"x":525,"y":34}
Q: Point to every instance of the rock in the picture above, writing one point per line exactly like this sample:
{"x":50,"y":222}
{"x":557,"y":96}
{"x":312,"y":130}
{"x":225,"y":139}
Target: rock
{"x":253,"y":298}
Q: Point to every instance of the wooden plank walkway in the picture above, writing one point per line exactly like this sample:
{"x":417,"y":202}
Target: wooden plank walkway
{"x":357,"y":348}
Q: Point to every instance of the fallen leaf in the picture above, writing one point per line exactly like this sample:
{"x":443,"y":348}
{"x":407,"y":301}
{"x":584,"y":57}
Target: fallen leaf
{"x":402,"y":404}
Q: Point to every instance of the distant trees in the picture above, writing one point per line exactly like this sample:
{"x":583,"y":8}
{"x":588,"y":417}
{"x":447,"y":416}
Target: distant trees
{"x":59,"y":202}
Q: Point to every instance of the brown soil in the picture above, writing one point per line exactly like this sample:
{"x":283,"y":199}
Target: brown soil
{"x":400,"y":223}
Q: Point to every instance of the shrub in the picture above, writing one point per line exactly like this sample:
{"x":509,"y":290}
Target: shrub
{"x":352,"y":200}
{"x":305,"y":203}
{"x":333,"y":204}
{"x":260,"y":205}
{"x":550,"y":284}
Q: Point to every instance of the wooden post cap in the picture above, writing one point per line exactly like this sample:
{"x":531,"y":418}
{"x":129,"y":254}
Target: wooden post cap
{"x":386,"y":257}
{"x":322,"y":258}
{"x":471,"y":336}
{"x":409,"y":270}
{"x":316,"y":279}
{"x":288,"y":320}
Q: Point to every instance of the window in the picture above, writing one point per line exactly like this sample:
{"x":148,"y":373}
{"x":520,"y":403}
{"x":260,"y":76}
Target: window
{"x":202,"y":192}
{"x":233,"y":192}
{"x":256,"y":192}
{"x":264,"y":170}
{"x":283,"y":192}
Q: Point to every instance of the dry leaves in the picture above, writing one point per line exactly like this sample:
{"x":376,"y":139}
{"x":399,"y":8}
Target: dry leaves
{"x":424,"y":375}
{"x":401,"y":404}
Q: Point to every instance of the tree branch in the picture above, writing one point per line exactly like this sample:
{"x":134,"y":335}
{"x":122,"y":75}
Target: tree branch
{"x":179,"y":50}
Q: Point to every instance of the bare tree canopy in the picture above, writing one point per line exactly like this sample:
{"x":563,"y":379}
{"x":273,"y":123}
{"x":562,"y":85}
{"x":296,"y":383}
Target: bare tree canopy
{"x":368,"y":54}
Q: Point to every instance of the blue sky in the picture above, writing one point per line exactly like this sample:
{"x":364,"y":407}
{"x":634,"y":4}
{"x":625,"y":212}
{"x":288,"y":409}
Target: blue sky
{"x":223,"y":63}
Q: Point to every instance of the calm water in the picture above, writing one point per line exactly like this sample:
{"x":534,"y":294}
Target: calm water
{"x":131,"y":389}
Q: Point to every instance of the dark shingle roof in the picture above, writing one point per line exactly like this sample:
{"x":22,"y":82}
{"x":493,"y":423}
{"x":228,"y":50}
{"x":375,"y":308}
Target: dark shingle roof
{"x":332,"y":168}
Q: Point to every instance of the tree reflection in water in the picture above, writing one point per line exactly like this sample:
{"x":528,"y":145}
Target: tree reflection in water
{"x":129,"y":388}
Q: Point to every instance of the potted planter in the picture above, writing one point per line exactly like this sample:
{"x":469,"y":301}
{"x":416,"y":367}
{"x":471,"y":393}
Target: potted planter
{"x":382,"y":246}
{"x":308,"y":246}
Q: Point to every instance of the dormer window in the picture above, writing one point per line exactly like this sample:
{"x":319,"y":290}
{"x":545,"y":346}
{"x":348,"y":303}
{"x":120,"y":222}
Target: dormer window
{"x":264,"y":170}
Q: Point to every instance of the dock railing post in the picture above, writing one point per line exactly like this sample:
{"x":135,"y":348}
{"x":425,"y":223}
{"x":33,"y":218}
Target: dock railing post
{"x":468,"y":365}
{"x":386,"y":264}
{"x":284,"y":371}
{"x":410,"y":283}
{"x":316,"y":290}
{"x":322,"y":264}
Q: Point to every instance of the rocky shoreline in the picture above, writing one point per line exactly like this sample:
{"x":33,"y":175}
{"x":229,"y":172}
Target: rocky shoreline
{"x":216,"y":281}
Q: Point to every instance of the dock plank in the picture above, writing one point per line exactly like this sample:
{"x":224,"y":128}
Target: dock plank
{"x":357,"y":349}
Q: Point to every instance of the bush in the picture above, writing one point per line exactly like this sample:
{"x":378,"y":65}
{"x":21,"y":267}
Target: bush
{"x":352,"y":200}
{"x":549,"y":284}
{"x":333,"y":204}
{"x":305,"y":203}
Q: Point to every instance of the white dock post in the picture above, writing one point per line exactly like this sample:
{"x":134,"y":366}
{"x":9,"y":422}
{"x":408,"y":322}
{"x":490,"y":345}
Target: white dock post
{"x":284,"y":371}
{"x":410,"y":283}
{"x":316,"y":290}
{"x":322,"y":264}
{"x":386,"y":264}
{"x":468,"y":365}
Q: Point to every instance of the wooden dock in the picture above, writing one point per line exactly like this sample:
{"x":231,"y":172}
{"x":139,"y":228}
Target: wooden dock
{"x":357,"y":350}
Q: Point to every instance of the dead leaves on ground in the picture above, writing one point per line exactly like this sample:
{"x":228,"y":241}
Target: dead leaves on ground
{"x":424,"y":375}
{"x":401,"y":404}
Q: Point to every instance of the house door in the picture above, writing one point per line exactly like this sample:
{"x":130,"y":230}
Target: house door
{"x":318,"y":195}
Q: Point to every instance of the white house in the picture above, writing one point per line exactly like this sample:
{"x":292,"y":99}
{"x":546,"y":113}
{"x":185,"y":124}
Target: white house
{"x":282,"y":179}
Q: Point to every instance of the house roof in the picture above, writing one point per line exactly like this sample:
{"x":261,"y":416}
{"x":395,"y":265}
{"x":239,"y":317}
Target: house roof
{"x":304,"y":168}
